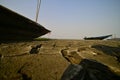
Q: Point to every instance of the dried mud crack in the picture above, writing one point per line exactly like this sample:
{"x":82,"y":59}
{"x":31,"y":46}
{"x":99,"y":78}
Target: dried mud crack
{"x":24,"y":75}
{"x":48,"y":60}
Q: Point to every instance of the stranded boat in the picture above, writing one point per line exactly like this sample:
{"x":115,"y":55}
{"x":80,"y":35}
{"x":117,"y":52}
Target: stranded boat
{"x":14,"y":26}
{"x":97,"y":38}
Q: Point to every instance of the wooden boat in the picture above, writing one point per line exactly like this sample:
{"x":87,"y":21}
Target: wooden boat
{"x":97,"y":38}
{"x":14,"y":26}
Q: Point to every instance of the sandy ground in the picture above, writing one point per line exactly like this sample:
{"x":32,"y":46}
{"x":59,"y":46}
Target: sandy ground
{"x":16,"y":62}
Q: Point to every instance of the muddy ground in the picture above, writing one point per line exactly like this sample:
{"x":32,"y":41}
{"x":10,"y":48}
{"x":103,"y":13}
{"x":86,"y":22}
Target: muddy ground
{"x":18,"y":63}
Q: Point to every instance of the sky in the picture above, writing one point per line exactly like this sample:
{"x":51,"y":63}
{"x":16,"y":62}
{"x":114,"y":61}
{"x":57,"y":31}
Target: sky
{"x":72,"y":19}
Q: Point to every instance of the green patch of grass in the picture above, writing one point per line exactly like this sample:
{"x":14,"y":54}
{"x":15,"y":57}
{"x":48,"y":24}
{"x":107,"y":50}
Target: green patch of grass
{"x":43,"y":39}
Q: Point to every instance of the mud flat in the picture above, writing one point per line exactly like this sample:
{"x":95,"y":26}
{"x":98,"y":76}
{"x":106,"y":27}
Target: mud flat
{"x":17,"y":62}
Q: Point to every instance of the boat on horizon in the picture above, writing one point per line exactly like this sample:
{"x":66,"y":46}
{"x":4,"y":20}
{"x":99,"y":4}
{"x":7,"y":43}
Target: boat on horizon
{"x":97,"y":38}
{"x":14,"y":26}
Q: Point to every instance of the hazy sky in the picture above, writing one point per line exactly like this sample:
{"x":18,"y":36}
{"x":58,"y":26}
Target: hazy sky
{"x":72,"y":19}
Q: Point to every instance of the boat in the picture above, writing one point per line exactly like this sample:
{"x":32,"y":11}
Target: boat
{"x":97,"y":38}
{"x":14,"y":26}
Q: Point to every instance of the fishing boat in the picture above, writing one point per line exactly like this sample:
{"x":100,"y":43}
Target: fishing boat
{"x":14,"y":26}
{"x":97,"y":38}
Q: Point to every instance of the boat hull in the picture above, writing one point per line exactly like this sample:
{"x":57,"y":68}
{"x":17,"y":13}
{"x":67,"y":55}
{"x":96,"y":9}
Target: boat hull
{"x":97,"y":38}
{"x":14,"y":26}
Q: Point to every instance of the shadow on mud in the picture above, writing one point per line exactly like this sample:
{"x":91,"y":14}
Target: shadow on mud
{"x":89,"y":70}
{"x":112,"y":51}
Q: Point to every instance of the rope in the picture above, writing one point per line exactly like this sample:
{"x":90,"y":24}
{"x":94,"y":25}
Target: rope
{"x":38,"y":9}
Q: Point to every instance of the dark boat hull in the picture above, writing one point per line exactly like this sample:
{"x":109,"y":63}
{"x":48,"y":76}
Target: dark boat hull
{"x":17,"y":27}
{"x":97,"y":38}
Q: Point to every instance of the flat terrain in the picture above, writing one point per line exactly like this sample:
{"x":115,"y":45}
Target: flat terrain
{"x":16,"y":62}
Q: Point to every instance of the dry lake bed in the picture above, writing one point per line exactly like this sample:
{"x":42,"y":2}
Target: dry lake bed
{"x":42,"y":60}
